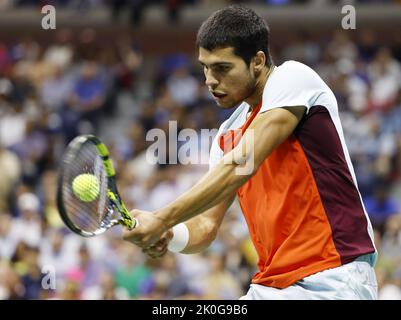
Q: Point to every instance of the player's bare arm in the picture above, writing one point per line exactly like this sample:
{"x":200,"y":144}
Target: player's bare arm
{"x":202,"y":229}
{"x":269,"y":129}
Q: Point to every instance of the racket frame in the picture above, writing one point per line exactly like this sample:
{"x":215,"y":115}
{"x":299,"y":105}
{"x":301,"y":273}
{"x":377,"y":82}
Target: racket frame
{"x":112,"y":193}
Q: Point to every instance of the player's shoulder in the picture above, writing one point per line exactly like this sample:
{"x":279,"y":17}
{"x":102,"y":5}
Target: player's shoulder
{"x":291,"y":67}
{"x":294,"y":83}
{"x":292,"y":75}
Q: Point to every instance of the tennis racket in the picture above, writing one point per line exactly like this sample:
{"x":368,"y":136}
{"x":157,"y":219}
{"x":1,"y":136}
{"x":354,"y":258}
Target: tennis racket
{"x":86,"y":166}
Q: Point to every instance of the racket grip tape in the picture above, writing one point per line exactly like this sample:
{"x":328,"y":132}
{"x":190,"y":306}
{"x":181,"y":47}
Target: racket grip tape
{"x":135,"y":223}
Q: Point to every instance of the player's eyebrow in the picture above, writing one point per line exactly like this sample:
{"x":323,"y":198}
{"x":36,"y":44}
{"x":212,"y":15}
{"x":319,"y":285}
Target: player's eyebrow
{"x":215,"y":64}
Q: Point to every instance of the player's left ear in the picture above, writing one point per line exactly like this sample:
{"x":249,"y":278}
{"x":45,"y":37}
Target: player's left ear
{"x":259,"y":62}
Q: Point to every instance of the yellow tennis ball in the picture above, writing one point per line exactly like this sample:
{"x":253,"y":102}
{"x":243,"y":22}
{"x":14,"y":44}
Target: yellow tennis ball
{"x":86,"y":187}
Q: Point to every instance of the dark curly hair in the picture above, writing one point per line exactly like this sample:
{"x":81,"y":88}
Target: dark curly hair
{"x":238,"y":27}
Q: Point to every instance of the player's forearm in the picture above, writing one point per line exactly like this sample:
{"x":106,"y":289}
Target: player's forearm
{"x":218,"y":184}
{"x":201,"y":235}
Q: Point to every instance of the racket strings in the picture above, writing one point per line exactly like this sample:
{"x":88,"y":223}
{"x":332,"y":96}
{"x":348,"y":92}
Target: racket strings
{"x":89,"y":216}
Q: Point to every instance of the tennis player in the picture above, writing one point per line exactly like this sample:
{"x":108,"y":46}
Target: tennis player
{"x":300,"y":197}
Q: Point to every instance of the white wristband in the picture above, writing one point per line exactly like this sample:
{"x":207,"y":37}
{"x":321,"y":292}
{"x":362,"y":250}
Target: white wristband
{"x":180,"y":238}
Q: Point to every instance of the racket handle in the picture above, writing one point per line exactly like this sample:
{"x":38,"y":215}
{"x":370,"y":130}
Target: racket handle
{"x":135,"y":223}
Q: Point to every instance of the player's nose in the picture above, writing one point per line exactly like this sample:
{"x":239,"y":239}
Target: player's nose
{"x":211,"y":81}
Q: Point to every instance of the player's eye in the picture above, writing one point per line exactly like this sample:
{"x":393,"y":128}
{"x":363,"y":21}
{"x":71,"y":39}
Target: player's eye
{"x":222,"y":69}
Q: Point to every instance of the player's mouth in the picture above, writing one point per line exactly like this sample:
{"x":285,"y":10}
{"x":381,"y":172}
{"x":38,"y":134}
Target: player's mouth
{"x":218,"y":95}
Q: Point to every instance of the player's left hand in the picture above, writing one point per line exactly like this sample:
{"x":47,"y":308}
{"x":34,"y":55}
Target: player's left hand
{"x":160,"y":248}
{"x":149,"y":231}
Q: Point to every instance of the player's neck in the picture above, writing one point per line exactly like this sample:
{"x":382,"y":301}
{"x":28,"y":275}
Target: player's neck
{"x":256,"y":97}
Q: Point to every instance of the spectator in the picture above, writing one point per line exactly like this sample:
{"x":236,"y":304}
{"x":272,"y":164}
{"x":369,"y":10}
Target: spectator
{"x":60,"y":53}
{"x":181,"y":85}
{"x":385,"y":75}
{"x":27,"y":227}
{"x":219,"y":283}
{"x":85,"y":102}
{"x":8,"y":242}
{"x":55,"y":89}
{"x":105,"y":289}
{"x":11,"y":167}
{"x":381,"y":206}
{"x":134,"y":272}
{"x":32,"y":276}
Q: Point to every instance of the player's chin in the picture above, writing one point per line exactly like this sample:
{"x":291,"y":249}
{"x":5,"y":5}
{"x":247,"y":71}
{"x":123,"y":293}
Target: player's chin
{"x":226,"y":104}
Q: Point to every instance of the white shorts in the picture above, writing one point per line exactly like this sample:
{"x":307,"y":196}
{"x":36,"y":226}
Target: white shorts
{"x":352,"y":281}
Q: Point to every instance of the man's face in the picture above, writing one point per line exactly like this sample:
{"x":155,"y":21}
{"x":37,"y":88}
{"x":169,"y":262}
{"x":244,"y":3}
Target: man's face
{"x":228,"y":77}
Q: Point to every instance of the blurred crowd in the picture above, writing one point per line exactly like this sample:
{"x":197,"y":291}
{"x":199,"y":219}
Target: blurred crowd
{"x":173,"y":8}
{"x":77,"y":84}
{"x":73,"y":3}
